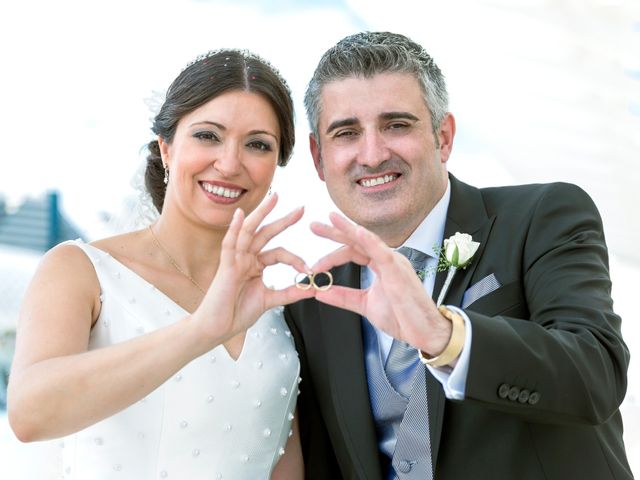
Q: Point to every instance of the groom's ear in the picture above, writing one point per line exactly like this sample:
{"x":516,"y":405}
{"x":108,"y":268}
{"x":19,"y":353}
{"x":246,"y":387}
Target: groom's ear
{"x":314,"y":146}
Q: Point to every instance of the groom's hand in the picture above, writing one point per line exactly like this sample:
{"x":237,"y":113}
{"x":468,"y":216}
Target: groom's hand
{"x":396,"y":301}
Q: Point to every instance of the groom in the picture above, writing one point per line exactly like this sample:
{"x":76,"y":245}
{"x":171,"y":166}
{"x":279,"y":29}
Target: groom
{"x":520,"y":373}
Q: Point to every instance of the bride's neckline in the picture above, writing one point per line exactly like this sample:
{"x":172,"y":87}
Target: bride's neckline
{"x":171,"y":300}
{"x":137,"y":275}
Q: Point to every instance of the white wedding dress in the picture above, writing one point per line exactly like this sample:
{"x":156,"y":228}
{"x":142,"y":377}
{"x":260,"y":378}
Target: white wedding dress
{"x":215,"y":419}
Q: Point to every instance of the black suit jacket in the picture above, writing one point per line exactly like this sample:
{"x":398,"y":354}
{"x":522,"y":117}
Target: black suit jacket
{"x":549,"y":332}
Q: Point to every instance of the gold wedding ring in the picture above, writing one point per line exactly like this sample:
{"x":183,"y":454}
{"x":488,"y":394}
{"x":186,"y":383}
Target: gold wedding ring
{"x":321,"y":281}
{"x":300,"y":281}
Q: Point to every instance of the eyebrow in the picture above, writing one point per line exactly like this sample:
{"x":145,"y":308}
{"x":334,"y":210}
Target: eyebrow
{"x":223,"y":128}
{"x":346,"y":122}
{"x":207,"y":122}
{"x":396,"y":115}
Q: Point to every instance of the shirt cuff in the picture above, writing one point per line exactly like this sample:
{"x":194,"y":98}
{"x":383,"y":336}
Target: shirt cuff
{"x":454,"y":379}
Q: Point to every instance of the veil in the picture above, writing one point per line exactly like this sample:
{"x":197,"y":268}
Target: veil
{"x":137,"y":210}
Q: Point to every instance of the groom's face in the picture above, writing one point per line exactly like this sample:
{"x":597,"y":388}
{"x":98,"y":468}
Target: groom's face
{"x":376,"y":151}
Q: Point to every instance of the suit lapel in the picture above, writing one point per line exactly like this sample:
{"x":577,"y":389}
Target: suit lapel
{"x":466,"y":214}
{"x":342,"y":337}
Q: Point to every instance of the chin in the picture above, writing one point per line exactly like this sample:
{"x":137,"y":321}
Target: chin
{"x":218,"y":220}
{"x":380,"y":219}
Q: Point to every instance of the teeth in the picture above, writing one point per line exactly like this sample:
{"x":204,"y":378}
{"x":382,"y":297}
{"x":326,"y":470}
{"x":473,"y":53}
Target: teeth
{"x":372,"y":182}
{"x":221,"y":191}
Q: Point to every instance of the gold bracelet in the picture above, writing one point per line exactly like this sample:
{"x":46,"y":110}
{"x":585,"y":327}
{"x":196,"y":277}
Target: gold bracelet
{"x":456,"y":341}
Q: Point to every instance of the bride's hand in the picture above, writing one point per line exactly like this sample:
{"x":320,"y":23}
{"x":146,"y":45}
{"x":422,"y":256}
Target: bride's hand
{"x":238,"y":296}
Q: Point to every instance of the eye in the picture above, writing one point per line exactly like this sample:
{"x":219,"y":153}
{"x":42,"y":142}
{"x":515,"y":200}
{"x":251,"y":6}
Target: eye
{"x":206,"y":136}
{"x":345,"y":133}
{"x":260,"y":146}
{"x":397,"y":126}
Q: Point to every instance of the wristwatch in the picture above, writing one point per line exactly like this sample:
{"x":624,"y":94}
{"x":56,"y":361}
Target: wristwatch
{"x":456,"y":341}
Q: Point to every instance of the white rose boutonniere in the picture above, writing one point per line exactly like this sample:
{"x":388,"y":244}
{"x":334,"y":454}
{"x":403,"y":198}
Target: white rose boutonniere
{"x":456,"y":253}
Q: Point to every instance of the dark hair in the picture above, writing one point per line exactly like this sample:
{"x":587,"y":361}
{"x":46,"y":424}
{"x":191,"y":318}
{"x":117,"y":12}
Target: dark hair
{"x":366,"y":54}
{"x":205,"y":78}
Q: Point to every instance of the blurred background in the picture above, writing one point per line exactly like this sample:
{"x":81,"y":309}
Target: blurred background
{"x":542,"y":90}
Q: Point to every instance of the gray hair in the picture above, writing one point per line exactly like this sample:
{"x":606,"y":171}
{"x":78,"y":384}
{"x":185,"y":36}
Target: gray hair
{"x":366,"y":54}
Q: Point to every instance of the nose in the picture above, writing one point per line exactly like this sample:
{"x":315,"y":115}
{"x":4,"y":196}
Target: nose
{"x":374,"y":150}
{"x":228,"y":159}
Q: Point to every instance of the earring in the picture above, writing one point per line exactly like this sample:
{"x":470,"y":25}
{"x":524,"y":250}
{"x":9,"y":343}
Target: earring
{"x":166,"y":174}
{"x":269,"y":192}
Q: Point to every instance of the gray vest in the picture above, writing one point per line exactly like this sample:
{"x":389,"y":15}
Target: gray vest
{"x":401,"y":423}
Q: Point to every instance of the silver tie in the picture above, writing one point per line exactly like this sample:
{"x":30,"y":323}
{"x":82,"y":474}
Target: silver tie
{"x":404,"y":367}
{"x":403,"y":358}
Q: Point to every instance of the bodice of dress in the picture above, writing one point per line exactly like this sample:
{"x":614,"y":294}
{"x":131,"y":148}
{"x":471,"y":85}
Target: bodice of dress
{"x":217,"y":418}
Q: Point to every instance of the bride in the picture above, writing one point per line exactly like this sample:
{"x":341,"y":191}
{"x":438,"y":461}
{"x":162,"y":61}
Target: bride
{"x":160,"y":353}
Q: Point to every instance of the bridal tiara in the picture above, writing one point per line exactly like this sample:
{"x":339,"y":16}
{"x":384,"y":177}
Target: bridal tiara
{"x":246,"y":54}
{"x":157,"y":98}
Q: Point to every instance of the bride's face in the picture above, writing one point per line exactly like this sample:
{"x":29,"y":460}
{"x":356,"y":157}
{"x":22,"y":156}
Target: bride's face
{"x":223,"y":156}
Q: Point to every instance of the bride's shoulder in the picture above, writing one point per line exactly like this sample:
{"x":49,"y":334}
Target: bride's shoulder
{"x":124,"y":242}
{"x":77,"y":255}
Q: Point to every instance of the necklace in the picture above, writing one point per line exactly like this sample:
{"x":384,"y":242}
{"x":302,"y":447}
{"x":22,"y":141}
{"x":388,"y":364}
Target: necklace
{"x":173,"y":262}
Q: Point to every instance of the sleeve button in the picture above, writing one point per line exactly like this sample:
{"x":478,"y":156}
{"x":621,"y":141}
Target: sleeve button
{"x":503,"y":390}
{"x":534,"y":397}
{"x":524,"y":396}
{"x":514,"y":393}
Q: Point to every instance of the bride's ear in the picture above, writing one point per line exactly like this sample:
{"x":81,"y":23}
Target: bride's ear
{"x":164,"y":151}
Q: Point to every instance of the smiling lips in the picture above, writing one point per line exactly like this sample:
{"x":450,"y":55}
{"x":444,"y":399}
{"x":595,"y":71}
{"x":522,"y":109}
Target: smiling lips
{"x":375,"y":181}
{"x":228,"y":193}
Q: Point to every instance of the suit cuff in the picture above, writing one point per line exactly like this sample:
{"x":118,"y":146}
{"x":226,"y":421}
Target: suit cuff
{"x":454,"y":379}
